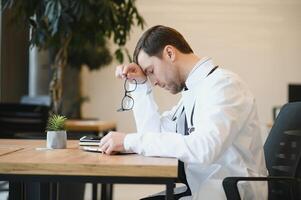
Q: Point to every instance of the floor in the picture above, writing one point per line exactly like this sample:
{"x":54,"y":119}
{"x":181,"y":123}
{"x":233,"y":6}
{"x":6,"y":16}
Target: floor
{"x":129,"y":192}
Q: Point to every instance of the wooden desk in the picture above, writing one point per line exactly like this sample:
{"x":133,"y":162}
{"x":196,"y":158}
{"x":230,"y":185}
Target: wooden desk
{"x":73,"y":164}
{"x":6,"y":150}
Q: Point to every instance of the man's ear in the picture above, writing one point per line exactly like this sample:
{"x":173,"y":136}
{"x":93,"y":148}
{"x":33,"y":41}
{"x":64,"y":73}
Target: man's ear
{"x":169,"y":52}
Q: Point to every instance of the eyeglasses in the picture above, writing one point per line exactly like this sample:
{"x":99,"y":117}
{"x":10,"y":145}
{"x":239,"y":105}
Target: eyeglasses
{"x":127,"y":102}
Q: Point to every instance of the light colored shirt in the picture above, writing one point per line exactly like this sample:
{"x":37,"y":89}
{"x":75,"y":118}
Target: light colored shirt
{"x":226,"y":140}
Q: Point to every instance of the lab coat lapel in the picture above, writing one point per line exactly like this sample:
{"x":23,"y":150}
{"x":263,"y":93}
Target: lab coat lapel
{"x":194,"y":80}
{"x":188,"y":102}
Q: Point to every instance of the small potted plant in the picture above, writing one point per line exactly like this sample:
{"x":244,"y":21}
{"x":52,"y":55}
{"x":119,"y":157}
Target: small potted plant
{"x":56,"y":133}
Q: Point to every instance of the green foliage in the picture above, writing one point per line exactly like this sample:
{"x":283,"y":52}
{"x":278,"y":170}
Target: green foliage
{"x":56,"y":123}
{"x":90,"y":24}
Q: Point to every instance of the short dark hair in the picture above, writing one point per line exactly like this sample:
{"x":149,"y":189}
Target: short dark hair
{"x":156,"y":38}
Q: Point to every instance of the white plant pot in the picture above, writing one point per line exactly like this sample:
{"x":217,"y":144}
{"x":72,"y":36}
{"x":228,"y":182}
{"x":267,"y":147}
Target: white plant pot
{"x":56,"y":139}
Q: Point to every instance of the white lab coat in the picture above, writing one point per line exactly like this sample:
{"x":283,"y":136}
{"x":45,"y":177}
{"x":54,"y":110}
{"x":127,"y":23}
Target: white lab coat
{"x":226,"y":140}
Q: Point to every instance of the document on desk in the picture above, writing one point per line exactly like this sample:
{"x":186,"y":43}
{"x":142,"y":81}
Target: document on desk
{"x":91,"y":148}
{"x":97,"y":149}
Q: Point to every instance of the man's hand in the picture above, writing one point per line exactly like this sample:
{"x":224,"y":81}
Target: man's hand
{"x":112,"y":142}
{"x":130,"y":71}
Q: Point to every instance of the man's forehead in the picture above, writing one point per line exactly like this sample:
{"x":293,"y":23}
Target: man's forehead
{"x":144,"y":60}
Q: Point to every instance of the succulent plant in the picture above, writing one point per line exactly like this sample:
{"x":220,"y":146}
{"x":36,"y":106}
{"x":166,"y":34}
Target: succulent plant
{"x":56,"y":123}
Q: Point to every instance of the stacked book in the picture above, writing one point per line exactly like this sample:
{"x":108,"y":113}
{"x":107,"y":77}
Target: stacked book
{"x":90,"y":143}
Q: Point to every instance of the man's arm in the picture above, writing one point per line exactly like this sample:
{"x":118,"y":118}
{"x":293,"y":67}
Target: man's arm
{"x":217,"y":124}
{"x":145,"y":110}
{"x":147,"y":116}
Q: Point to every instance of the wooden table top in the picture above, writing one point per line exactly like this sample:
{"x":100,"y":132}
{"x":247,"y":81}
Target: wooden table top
{"x":89,"y":125}
{"x":73,"y":161}
{"x":8,"y":149}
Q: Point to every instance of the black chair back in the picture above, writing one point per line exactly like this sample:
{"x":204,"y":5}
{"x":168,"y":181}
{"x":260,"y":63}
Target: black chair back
{"x":283,"y":150}
{"x":22,"y":118}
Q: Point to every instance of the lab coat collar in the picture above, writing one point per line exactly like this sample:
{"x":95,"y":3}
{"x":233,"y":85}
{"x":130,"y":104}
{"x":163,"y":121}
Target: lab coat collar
{"x":199,"y":72}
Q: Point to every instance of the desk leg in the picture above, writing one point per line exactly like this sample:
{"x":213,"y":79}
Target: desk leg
{"x":16,"y":191}
{"x":37,"y":191}
{"x":54,"y":191}
{"x":106,"y":191}
{"x":170,"y":191}
{"x":94,"y":191}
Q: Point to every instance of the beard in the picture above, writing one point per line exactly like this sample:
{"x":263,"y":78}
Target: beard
{"x":175,"y":84}
{"x":176,"y":88}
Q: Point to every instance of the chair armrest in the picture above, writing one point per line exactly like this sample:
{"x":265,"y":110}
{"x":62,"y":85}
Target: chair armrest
{"x":231,"y":189}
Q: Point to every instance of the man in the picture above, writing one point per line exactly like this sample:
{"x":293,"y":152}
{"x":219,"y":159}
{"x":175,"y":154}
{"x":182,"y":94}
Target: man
{"x":213,"y":130}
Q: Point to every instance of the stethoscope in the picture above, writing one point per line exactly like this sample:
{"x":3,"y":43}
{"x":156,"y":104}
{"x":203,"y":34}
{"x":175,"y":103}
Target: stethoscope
{"x":174,"y":117}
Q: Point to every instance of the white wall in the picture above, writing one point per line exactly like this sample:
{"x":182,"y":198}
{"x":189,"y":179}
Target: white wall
{"x":258,"y":39}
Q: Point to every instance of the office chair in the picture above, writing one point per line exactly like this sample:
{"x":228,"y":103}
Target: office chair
{"x":282,"y":151}
{"x":22,"y":120}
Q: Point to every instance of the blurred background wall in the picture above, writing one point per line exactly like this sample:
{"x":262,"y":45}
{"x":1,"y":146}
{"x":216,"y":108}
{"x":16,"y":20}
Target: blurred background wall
{"x":259,"y":40}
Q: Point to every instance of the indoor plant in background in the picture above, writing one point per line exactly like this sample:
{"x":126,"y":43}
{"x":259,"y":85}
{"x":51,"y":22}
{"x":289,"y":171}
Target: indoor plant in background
{"x":56,"y":133}
{"x":77,"y":32}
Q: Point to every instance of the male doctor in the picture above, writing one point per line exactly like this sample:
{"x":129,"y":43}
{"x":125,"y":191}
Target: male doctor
{"x":214,"y":129}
